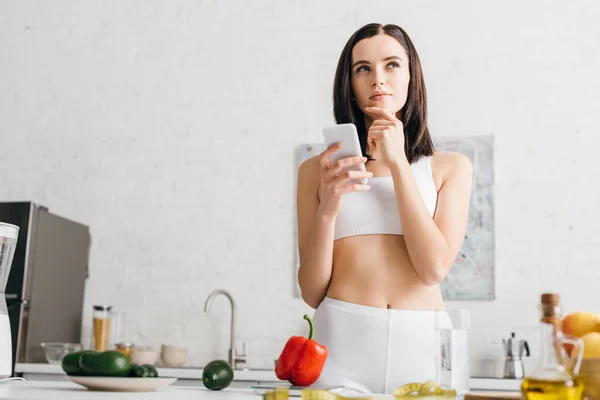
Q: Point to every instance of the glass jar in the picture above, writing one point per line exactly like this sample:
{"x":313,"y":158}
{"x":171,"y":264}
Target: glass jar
{"x":102,"y":318}
{"x":554,"y":378}
{"x":125,"y":348}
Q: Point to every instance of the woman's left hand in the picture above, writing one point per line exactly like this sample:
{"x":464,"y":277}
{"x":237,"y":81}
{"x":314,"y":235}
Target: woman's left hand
{"x":386,"y":136}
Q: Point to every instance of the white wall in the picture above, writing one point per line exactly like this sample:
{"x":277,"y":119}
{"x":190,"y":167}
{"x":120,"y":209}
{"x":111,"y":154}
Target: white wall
{"x":170,"y":128}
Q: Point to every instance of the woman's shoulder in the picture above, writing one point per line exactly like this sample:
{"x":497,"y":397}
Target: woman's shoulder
{"x":310,"y":165}
{"x":309,"y":178}
{"x":309,"y":170}
{"x":450,"y":158}
{"x":446,"y":164}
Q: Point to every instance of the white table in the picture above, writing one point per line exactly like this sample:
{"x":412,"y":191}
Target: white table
{"x":193,"y":377}
{"x":54,"y":390}
{"x":46,"y":381}
{"x":37,"y":390}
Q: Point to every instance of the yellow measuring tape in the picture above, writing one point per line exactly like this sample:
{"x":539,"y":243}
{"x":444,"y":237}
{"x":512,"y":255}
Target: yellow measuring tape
{"x":428,"y":389}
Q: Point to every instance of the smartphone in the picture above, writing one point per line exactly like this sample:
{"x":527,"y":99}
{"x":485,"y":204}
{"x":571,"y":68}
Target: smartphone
{"x":348,"y":136}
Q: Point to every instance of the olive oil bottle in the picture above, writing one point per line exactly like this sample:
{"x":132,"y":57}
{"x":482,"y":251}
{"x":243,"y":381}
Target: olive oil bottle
{"x":553,"y":379}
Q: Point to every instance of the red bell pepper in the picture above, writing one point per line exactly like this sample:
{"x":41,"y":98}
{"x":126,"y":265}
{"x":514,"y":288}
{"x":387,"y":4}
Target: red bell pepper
{"x":301,"y":360}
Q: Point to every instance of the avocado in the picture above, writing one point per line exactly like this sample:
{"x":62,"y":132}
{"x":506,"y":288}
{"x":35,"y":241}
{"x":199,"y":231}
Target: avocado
{"x":108,"y":363}
{"x":152,"y":372}
{"x":70,"y":363}
{"x":143,"y":371}
{"x":217,"y":375}
{"x":137,"y":371}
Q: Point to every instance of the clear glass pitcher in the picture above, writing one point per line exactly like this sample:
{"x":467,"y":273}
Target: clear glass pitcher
{"x":452,"y":350}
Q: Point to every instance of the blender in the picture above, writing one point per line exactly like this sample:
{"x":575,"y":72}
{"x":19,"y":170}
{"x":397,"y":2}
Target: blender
{"x":8,"y":241}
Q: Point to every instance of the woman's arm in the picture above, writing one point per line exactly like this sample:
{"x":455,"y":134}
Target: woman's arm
{"x":319,"y":200}
{"x":434,"y":243}
{"x":315,"y":236}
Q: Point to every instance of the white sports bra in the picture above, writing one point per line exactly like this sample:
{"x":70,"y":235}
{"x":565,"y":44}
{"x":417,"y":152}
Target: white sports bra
{"x":376,"y":210}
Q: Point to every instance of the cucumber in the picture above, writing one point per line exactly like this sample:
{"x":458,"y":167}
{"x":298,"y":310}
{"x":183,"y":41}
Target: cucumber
{"x":108,"y":363}
{"x":217,"y":375}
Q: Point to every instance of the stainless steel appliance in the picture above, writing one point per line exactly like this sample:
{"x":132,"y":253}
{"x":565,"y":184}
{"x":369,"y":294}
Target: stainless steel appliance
{"x":45,"y":288}
{"x":513,"y":353}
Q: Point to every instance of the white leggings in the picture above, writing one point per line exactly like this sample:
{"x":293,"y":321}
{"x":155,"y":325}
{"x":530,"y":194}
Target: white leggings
{"x":374,"y":350}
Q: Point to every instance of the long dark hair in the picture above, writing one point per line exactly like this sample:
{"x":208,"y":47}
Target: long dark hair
{"x":417,"y":141}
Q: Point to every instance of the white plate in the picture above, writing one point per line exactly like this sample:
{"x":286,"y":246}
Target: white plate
{"x":121,"y":384}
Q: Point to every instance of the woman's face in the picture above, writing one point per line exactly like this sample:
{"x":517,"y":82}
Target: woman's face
{"x":380,"y":73}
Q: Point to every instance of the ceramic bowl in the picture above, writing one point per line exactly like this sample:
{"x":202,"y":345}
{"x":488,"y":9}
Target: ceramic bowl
{"x":173,"y":356}
{"x":144,"y":355}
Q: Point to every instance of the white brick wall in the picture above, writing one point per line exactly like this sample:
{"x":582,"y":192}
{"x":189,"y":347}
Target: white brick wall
{"x":170,"y":127}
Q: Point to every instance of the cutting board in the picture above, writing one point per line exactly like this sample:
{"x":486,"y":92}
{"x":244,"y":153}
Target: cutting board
{"x":494,"y":396}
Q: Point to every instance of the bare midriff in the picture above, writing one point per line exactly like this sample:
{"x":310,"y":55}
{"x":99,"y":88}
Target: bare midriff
{"x":376,"y":270}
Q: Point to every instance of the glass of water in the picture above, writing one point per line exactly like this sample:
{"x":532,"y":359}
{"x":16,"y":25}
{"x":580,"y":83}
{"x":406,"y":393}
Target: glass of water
{"x":452,"y":350}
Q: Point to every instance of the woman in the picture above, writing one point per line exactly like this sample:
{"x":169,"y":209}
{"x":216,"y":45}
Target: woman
{"x":373,"y":256}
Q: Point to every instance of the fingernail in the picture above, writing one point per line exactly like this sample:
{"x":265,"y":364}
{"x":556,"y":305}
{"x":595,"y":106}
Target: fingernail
{"x":367,"y":187}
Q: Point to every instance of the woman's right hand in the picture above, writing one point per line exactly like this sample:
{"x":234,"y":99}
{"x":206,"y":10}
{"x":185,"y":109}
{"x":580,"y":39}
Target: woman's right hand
{"x":334,"y":180}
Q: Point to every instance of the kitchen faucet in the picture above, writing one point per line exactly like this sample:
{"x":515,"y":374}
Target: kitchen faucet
{"x":234,"y":358}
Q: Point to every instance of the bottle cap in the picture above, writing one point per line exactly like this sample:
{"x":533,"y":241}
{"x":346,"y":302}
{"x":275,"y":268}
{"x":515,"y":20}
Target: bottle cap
{"x":102,"y":307}
{"x":551,"y":299}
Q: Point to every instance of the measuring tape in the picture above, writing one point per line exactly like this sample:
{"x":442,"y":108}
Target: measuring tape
{"x":309,"y":394}
{"x":428,"y":389}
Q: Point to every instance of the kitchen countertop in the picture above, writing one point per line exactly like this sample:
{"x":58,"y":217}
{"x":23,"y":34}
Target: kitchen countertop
{"x":35,"y":390}
{"x":254,"y":375}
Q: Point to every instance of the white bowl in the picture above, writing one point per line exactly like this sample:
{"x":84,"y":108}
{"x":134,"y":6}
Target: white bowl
{"x":144,"y":356}
{"x":173,"y":356}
